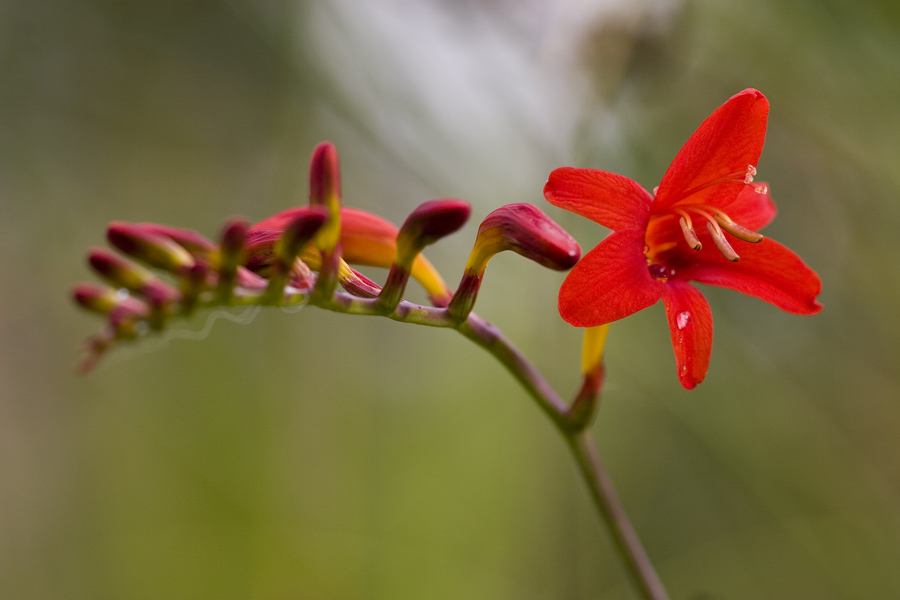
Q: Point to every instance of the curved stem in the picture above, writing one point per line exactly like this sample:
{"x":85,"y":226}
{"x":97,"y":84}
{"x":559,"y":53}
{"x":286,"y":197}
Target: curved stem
{"x":613,"y":514}
{"x":573,"y":429}
{"x":489,"y":337}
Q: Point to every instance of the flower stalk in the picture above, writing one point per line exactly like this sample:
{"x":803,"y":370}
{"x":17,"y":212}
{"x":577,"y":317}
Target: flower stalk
{"x":304,"y":255}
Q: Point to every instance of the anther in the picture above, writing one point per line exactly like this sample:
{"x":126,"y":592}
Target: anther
{"x":721,"y":243}
{"x":741,"y":233}
{"x":690,"y":236}
{"x":760,"y":189}
{"x":751,"y":173}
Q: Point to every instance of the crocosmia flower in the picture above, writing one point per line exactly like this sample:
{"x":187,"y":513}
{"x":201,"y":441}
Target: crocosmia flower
{"x":700,"y":224}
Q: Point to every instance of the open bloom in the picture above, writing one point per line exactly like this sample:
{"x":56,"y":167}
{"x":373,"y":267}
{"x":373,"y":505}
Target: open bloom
{"x":662,"y":241}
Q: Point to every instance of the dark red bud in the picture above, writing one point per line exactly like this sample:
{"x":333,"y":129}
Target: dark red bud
{"x":324,"y":175}
{"x":154,"y":249}
{"x":526,"y":230}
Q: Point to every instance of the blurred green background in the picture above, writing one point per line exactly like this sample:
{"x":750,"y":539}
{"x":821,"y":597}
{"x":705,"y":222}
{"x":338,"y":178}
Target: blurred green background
{"x":319,"y":456}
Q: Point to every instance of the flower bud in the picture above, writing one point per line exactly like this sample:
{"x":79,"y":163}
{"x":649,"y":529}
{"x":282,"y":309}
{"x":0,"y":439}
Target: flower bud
{"x":525,"y":230}
{"x":193,"y":242}
{"x":102,"y":299}
{"x":366,"y":239}
{"x":428,"y":223}
{"x":195,"y":281}
{"x":358,"y":284}
{"x":325,"y":190}
{"x":126,"y":274}
{"x":154,"y":249}
{"x":285,"y":266}
{"x":325,"y":178}
{"x":259,"y":250}
{"x":297,"y":234}
{"x":231,"y":255}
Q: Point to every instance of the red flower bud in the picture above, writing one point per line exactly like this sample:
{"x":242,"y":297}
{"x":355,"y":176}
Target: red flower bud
{"x":325,"y":190}
{"x":126,"y":274}
{"x":231,"y":255}
{"x":193,"y":242}
{"x":525,"y":230}
{"x":154,"y":249}
{"x":428,"y":223}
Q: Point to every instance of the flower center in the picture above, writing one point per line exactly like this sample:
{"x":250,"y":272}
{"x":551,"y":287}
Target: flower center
{"x":716,"y":220}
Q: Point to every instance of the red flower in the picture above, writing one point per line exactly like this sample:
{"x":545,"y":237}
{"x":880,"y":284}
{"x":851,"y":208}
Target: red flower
{"x":656,"y":246}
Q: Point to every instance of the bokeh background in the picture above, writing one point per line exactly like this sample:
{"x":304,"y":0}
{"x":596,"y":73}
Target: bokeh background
{"x":319,"y":456}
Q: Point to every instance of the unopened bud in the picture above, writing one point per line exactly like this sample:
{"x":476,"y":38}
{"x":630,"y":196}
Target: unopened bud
{"x":428,"y":223}
{"x":102,"y":299}
{"x":366,"y":239}
{"x":325,"y":190}
{"x":358,"y":284}
{"x":285,"y":266}
{"x":193,"y":242}
{"x":297,"y":234}
{"x":231,"y":255}
{"x":154,"y":249}
{"x":126,"y":274}
{"x":195,"y":281}
{"x":525,"y":230}
{"x":259,"y":250}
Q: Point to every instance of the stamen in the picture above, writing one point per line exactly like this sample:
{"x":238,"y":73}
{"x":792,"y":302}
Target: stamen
{"x":741,"y":233}
{"x":721,"y":243}
{"x":730,"y":178}
{"x":690,"y":236}
{"x":760,"y":189}
{"x":751,"y":173}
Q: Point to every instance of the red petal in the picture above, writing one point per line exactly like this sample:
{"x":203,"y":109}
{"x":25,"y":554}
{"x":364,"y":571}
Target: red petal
{"x":614,"y":201}
{"x":727,"y":142}
{"x":691,"y":326}
{"x":610,"y":282}
{"x":750,"y":208}
{"x":768,"y":271}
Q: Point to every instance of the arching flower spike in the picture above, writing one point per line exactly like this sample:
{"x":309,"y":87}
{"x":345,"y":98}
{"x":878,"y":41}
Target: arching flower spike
{"x":656,"y":246}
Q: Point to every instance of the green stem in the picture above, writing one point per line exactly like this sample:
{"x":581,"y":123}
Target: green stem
{"x":489,"y":337}
{"x":613,"y":514}
{"x":580,"y":442}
